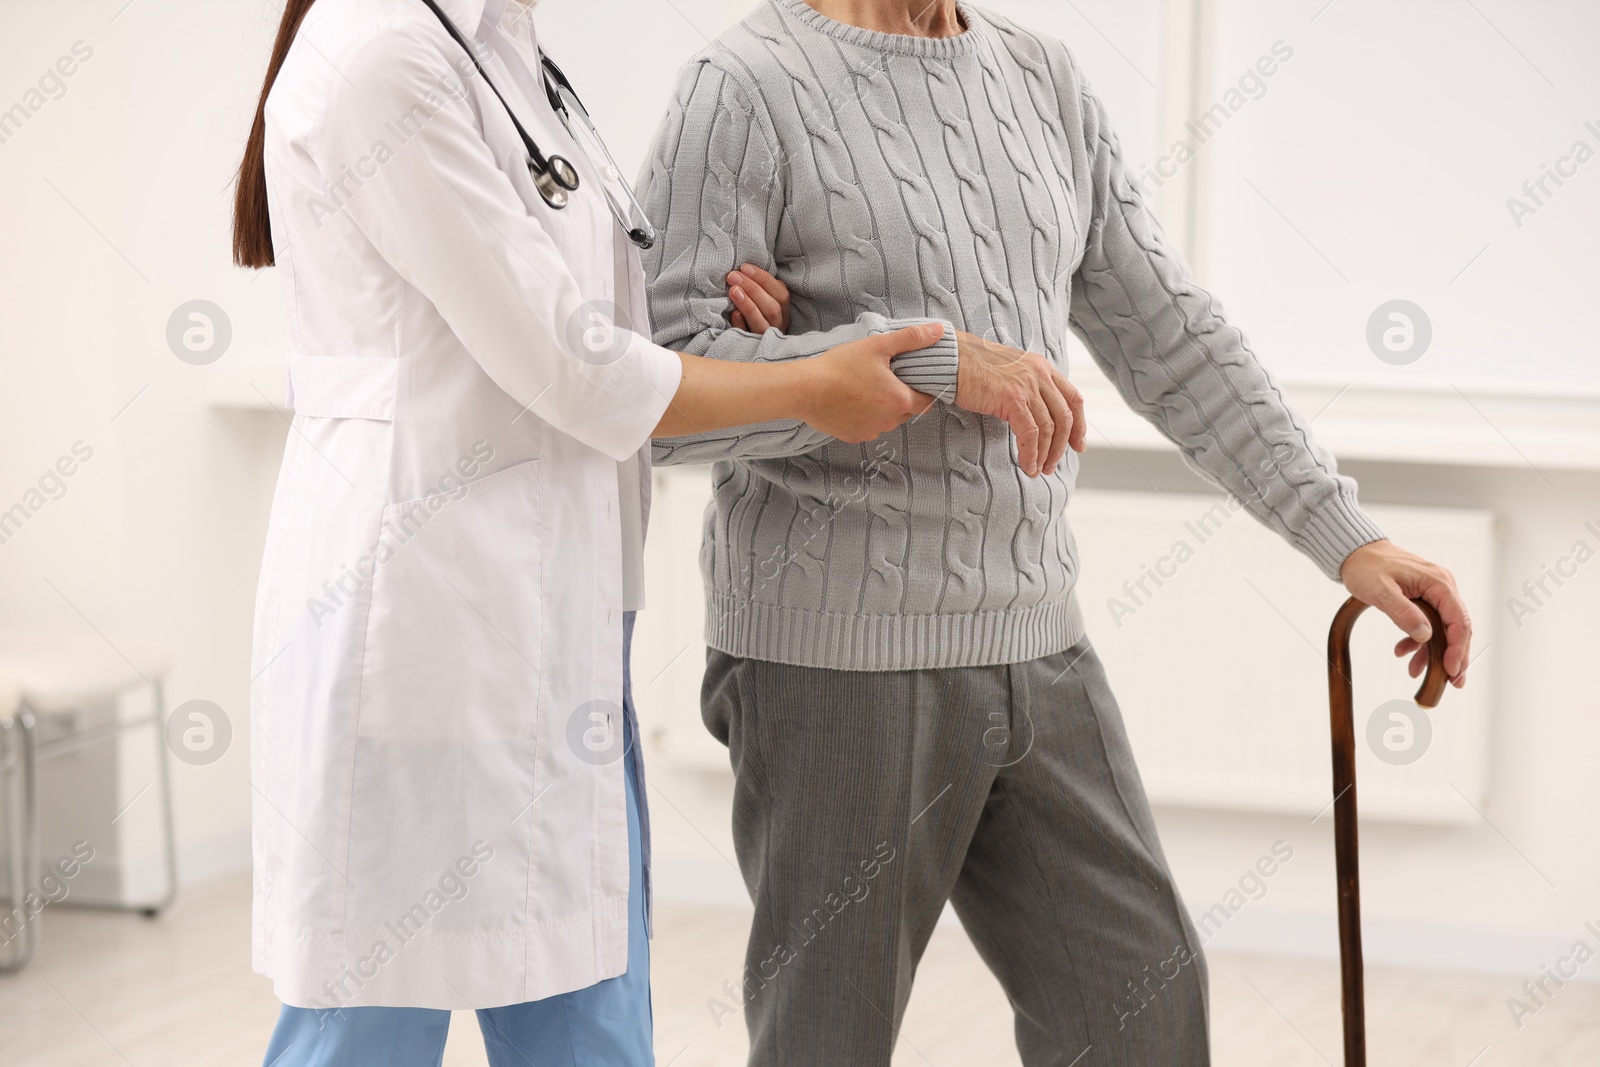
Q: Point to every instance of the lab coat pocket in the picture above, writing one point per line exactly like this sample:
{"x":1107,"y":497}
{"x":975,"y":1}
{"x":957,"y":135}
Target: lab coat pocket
{"x":455,"y":632}
{"x":449,"y":706}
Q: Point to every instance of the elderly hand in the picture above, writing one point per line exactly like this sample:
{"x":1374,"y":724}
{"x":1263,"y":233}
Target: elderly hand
{"x":1387,"y":576}
{"x":1044,"y":410}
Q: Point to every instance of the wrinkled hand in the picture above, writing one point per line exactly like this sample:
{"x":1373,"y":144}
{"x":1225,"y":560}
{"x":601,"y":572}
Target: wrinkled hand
{"x":1044,"y":409}
{"x":851,"y":394}
{"x":1387,"y":576}
{"x":760,"y":301}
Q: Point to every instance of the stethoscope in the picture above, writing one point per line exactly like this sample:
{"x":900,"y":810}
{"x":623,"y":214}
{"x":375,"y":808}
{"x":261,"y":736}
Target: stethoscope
{"x":554,"y":176}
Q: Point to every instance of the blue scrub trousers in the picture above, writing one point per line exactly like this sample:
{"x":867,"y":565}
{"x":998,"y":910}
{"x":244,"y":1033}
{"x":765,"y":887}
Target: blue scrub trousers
{"x":608,"y":1024}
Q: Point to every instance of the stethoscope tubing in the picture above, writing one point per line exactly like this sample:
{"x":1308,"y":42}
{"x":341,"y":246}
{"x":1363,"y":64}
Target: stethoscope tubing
{"x":554,"y":176}
{"x":550,"y":175}
{"x":644,"y":235}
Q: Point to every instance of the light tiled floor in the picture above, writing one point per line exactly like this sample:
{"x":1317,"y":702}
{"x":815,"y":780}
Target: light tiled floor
{"x":116,"y":990}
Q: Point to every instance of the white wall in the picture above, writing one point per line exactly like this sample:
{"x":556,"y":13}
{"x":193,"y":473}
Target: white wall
{"x":161,"y":533}
{"x":116,"y":201}
{"x":1380,"y":165}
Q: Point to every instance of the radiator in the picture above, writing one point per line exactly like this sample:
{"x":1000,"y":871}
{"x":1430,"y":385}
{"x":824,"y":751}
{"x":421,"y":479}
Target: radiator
{"x":1213,"y":632}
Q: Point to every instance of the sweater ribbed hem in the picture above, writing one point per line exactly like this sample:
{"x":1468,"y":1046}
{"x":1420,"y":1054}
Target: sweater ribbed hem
{"x":1335,"y":530}
{"x":898,"y":43}
{"x":803,"y":637}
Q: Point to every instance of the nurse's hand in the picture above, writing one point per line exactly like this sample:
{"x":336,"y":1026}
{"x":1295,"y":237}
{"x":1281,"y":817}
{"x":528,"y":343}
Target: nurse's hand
{"x":854,"y":396}
{"x":848,"y":392}
{"x":760,"y":301}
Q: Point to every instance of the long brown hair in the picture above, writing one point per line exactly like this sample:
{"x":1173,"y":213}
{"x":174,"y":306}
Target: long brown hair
{"x":252,"y":225}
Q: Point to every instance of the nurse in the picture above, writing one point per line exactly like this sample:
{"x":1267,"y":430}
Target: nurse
{"x":448,"y":800}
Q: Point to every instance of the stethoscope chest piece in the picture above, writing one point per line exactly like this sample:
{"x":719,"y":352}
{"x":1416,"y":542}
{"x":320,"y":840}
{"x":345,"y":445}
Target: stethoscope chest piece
{"x":565,"y":174}
{"x":556,"y":181}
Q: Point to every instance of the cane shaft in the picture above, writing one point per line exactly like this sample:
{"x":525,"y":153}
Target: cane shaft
{"x":1347,"y":854}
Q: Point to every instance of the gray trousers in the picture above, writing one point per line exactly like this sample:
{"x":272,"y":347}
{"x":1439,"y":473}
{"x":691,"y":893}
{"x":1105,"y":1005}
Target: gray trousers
{"x":865,"y":800}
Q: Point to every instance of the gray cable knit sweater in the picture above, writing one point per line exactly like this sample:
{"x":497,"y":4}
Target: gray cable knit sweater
{"x":974,"y":181}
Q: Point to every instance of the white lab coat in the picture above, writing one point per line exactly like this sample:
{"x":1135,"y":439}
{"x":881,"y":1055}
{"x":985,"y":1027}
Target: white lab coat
{"x":456,"y":532}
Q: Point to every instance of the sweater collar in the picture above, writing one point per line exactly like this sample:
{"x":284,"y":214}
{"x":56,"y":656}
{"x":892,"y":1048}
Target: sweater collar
{"x":895,"y":43}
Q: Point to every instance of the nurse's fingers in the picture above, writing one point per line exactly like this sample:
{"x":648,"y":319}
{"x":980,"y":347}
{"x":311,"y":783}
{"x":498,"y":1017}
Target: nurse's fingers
{"x":853,"y":393}
{"x":886,"y":346}
{"x":770,"y":293}
{"x":749,"y":310}
{"x":899,"y":342}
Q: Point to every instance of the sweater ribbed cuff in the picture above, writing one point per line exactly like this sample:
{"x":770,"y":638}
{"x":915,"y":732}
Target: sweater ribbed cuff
{"x":930,"y":370}
{"x":1337,"y":529}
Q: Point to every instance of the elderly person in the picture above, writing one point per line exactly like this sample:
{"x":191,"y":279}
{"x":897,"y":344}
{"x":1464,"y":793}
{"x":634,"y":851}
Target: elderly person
{"x":898,"y":664}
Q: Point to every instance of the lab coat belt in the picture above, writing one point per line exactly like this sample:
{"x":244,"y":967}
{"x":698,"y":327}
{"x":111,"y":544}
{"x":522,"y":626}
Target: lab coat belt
{"x":343,"y":387}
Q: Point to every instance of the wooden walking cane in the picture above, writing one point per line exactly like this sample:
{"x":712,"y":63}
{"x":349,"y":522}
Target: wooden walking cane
{"x":1341,"y":700}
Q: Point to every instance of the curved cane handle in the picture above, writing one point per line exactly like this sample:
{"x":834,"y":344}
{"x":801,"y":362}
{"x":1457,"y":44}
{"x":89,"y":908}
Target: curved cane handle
{"x":1433,"y":681}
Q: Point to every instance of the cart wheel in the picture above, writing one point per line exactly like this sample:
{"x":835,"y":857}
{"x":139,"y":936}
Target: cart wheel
{"x":150,"y":913}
